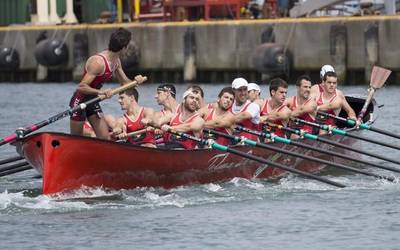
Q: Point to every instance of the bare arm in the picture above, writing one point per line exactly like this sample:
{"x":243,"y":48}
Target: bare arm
{"x":241,"y":116}
{"x":196,"y":126}
{"x":120,"y":74}
{"x":274,"y":116}
{"x":309,"y":108}
{"x":94,"y":67}
{"x":225,"y":121}
{"x":157,"y":122}
{"x":346,"y":106}
{"x":336,"y":104}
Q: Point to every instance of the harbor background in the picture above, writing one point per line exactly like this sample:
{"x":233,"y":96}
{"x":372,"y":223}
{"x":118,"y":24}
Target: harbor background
{"x":209,"y":51}
{"x":292,"y":213}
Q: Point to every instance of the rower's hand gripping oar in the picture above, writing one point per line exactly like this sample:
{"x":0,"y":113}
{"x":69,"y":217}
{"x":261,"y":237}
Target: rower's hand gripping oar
{"x":132,"y":134}
{"x":312,"y":137}
{"x":20,"y":133}
{"x":365,"y":126}
{"x":217,"y":146}
{"x":379,"y":76}
{"x":337,"y":131}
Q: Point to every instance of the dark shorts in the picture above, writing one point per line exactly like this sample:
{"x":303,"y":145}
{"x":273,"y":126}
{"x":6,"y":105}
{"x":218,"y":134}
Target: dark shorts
{"x":82,"y":115}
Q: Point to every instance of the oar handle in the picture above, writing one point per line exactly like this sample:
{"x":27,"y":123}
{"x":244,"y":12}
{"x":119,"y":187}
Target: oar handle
{"x":137,"y":132}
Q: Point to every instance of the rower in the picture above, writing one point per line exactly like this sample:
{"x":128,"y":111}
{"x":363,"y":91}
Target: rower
{"x":219,"y":117}
{"x":198,"y":90}
{"x":330,"y":100}
{"x":187,"y":121}
{"x":165,"y":97}
{"x":302,"y":105}
{"x":246,"y":113}
{"x":255,"y":94}
{"x":274,"y":109}
{"x":131,"y":121}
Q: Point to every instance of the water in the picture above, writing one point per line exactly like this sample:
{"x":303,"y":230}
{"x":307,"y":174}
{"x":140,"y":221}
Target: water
{"x":293,"y":213}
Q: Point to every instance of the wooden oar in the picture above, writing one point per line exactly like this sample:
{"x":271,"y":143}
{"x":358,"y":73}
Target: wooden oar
{"x":308,"y":136}
{"x":379,"y":76}
{"x":284,"y":151}
{"x":365,"y":126}
{"x":20,"y":133}
{"x":11,"y":159}
{"x":137,"y":132}
{"x":217,"y":146}
{"x":134,"y":133}
{"x":337,"y":131}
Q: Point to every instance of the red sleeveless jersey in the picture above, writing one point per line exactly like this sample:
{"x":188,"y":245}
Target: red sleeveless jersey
{"x":99,"y":80}
{"x":305,"y":116}
{"x":132,"y":126}
{"x":265,"y":111}
{"x":247,"y":123}
{"x":185,"y":143}
{"x":320,"y":101}
{"x":218,"y":139}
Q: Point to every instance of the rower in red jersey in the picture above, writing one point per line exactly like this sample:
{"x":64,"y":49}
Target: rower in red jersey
{"x":274,"y":109}
{"x":131,"y":121}
{"x":218,"y":117}
{"x":302,"y":105}
{"x":187,"y":121}
{"x":246,"y":113}
{"x":330,"y":100}
{"x":99,"y":69}
{"x":165,"y":97}
{"x":255,"y":94}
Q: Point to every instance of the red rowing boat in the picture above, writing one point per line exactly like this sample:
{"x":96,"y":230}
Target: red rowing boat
{"x":68,"y":162}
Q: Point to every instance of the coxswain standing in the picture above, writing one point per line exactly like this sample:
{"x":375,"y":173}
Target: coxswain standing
{"x":274,"y":109}
{"x":302,"y":105}
{"x":330,"y":100}
{"x":99,"y":68}
{"x":132,"y":120}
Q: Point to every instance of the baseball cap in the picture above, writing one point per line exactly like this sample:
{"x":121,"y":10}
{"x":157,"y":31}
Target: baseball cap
{"x":253,"y":86}
{"x":326,"y":68}
{"x":239,"y":82}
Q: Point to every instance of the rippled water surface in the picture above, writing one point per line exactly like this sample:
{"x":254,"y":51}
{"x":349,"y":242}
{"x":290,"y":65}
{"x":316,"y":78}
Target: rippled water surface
{"x":293,"y":213}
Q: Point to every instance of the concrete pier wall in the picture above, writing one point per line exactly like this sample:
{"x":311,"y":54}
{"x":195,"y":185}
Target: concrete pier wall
{"x":222,"y":45}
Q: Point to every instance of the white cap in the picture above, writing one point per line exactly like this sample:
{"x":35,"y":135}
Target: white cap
{"x":239,"y":82}
{"x":253,"y":86}
{"x":325,"y":69}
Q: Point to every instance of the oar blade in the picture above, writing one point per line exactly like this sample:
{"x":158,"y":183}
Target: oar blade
{"x":379,"y":76}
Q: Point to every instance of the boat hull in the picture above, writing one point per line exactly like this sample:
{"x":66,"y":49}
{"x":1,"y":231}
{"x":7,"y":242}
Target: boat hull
{"x":69,"y":162}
